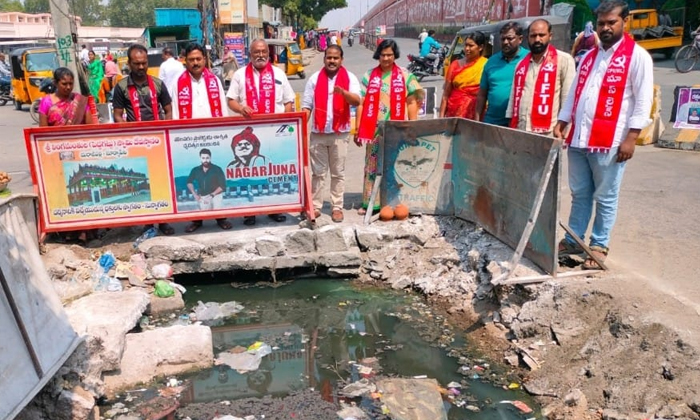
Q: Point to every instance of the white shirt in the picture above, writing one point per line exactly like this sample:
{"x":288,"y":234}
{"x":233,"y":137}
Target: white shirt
{"x":636,"y":100}
{"x":334,"y":39}
{"x":85,"y":55}
{"x":309,"y":94}
{"x":283,"y":90}
{"x":200,"y":99}
{"x":422,"y":36}
{"x":169,"y":71}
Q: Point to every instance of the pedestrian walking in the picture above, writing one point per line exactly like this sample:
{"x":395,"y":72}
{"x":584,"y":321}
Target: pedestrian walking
{"x":328,"y":96}
{"x":198,"y":93}
{"x":141,"y":97}
{"x":541,"y":84}
{"x":497,"y":77}
{"x":260,"y":88}
{"x":610,"y":105}
{"x":170,"y":69}
{"x":388,"y":92}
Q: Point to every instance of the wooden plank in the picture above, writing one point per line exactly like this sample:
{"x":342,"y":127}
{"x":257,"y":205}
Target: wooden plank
{"x":585,"y":247}
{"x":543,"y":278}
{"x":372,"y":197}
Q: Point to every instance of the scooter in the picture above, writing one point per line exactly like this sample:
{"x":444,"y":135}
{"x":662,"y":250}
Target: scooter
{"x":5,"y":90}
{"x":423,"y":66}
{"x":47,"y":87}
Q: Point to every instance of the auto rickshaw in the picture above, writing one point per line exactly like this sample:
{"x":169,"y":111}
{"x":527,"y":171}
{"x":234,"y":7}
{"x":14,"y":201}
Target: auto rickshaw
{"x":561,"y":39}
{"x":287,"y":56}
{"x":155,"y":59}
{"x":29,"y":67}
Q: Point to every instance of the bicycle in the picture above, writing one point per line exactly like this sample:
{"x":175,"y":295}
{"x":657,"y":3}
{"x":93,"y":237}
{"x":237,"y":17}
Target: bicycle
{"x":688,"y":56}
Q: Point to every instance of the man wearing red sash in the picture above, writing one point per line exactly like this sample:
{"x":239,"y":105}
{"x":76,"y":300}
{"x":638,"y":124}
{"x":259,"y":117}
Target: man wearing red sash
{"x":260,"y":88}
{"x":327,"y":99}
{"x":610,"y":103}
{"x":541,"y":83}
{"x":198,"y":94}
{"x":142,"y":98}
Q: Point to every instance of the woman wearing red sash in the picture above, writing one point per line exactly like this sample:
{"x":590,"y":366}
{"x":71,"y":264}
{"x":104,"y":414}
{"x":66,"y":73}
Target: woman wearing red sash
{"x":388,"y":92}
{"x":463,"y":78}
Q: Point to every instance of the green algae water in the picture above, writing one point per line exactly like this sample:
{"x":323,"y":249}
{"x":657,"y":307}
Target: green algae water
{"x":325,"y":333}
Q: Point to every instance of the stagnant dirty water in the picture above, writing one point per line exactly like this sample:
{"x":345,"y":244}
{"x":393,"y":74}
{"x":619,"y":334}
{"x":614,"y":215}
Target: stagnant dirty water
{"x":324,"y":335}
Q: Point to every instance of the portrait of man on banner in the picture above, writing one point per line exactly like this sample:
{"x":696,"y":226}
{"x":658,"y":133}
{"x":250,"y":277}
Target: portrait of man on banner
{"x":245,"y":147}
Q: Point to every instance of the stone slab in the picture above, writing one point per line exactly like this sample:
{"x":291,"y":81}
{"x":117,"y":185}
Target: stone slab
{"x":172,"y":248}
{"x":108,"y":316}
{"x":412,"y":399}
{"x":159,"y":306}
{"x":161,"y":352}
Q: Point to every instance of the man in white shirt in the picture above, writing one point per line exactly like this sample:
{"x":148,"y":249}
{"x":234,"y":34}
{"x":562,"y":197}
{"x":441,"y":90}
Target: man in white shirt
{"x":84,"y":55}
{"x":334,"y":39}
{"x":171,"y":68}
{"x":260,"y":88}
{"x":327,"y":99}
{"x":541,"y":82}
{"x":421,"y":38}
{"x":197,"y":93}
{"x":609,"y":104}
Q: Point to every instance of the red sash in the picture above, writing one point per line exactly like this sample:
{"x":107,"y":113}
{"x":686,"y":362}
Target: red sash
{"x":543,"y":96}
{"x":341,"y":109}
{"x":612,"y":91}
{"x":265,"y":102}
{"x":184,"y":94}
{"x":370,"y":106}
{"x":136,"y":103}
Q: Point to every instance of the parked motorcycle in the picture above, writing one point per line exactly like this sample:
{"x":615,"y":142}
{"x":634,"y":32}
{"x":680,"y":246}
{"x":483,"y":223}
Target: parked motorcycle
{"x":47,"y":87}
{"x":5,"y":90}
{"x":423,"y":66}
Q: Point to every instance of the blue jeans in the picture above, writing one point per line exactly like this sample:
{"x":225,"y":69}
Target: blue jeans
{"x":594,"y":177}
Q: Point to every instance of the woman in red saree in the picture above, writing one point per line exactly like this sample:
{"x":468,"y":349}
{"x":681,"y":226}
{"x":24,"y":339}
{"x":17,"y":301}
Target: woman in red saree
{"x":462,"y":80}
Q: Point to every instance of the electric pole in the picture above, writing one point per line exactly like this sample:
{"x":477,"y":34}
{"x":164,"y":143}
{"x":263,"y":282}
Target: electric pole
{"x":65,"y":31}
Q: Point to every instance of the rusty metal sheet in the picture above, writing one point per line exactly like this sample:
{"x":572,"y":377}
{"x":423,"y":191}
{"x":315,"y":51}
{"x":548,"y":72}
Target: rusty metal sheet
{"x":417,"y":165}
{"x":496,"y":172}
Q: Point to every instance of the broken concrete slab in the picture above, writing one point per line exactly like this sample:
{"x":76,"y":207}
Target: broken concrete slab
{"x":269,"y":246}
{"x":341,"y":259}
{"x":74,"y":404}
{"x":412,"y":399}
{"x":159,"y":306}
{"x":300,"y":241}
{"x":108,"y":316}
{"x":161,"y":352}
{"x":370,"y":237}
{"x":330,"y":239}
{"x":171,"y":248}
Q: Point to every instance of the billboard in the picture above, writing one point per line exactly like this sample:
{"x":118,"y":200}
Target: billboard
{"x":152,"y":172}
{"x":232,"y":12}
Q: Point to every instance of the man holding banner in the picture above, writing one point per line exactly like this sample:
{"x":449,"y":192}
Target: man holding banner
{"x":329,"y":93}
{"x":260,"y":88}
{"x":609,"y":106}
{"x":140,"y":97}
{"x":199,"y":94}
{"x":541,"y":83}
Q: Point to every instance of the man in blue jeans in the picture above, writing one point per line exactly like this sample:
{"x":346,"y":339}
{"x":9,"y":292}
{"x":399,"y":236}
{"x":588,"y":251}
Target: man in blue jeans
{"x":426,"y":50}
{"x":608,"y":105}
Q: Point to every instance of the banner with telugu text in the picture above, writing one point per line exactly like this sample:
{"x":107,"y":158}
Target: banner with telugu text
{"x":134,"y":173}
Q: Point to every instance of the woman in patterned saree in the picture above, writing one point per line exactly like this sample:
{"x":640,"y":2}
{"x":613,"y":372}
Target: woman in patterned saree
{"x":63,"y":107}
{"x":463,"y":78}
{"x":389,"y":92}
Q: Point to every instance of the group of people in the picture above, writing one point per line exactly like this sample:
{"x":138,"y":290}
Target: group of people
{"x":599,"y":110}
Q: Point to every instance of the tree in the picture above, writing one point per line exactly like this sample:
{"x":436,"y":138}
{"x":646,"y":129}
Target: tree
{"x":306,"y":10}
{"x":11,"y":6}
{"x":92,"y":12}
{"x":37,"y":6}
{"x":140,"y":14}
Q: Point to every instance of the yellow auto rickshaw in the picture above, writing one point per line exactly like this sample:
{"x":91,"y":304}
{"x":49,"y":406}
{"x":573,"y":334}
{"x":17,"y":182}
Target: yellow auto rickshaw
{"x":29,"y":67}
{"x":287,"y":56}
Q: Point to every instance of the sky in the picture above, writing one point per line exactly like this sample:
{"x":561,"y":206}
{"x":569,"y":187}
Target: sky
{"x":349,"y":16}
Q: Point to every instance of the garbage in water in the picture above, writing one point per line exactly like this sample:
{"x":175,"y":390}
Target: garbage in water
{"x":163,"y":289}
{"x":320,"y":343}
{"x":519,"y":405}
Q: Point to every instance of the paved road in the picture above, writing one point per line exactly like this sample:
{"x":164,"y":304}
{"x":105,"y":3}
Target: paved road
{"x":655,"y":241}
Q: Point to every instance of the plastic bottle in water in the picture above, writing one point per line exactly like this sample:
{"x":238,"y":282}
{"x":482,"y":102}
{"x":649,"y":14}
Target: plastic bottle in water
{"x":148,"y":234}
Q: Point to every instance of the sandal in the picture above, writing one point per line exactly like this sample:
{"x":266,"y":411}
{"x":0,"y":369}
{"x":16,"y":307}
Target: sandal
{"x":600,"y":252}
{"x":337,"y":216}
{"x":166,"y":229}
{"x":277,"y":217}
{"x":249,"y":220}
{"x":223,"y":224}
{"x":567,"y":248}
{"x":193,"y":226}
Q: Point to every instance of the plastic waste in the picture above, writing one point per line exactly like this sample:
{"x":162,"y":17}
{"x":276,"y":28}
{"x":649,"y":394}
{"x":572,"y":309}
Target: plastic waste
{"x":162,"y":271}
{"x":107,"y":261}
{"x":163,"y":289}
{"x":114,"y":285}
{"x":148,"y":234}
{"x":248,"y":360}
{"x":212,"y":311}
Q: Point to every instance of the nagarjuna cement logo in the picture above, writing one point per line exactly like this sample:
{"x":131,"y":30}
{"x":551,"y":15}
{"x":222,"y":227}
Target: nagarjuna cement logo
{"x":284,"y":130}
{"x":415,"y":164}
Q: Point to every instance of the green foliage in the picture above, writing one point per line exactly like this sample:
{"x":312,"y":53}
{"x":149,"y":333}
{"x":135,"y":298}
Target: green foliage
{"x":582,"y":14}
{"x":92,"y":12}
{"x":11,"y":6}
{"x":306,"y":11}
{"x":37,"y":6}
